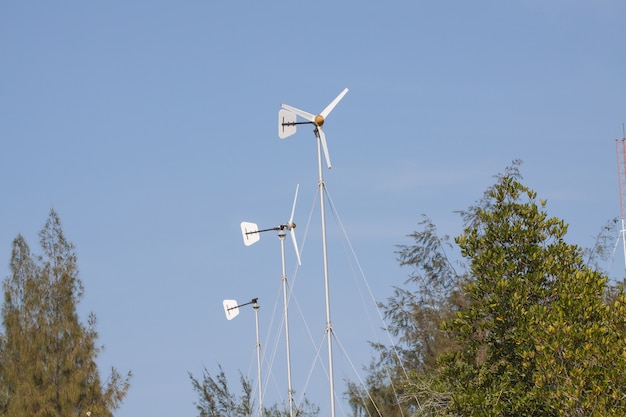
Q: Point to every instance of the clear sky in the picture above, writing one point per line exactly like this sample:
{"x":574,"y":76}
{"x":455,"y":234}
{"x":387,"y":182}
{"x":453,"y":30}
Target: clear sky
{"x":151,"y":128}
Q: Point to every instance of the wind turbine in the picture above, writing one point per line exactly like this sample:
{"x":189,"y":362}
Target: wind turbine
{"x":251,"y":232}
{"x":231,"y":308}
{"x":287,"y":124}
{"x":251,"y":235}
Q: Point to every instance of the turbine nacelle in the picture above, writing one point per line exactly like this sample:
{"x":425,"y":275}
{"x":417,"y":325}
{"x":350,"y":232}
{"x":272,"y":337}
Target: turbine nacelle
{"x":289,"y":226}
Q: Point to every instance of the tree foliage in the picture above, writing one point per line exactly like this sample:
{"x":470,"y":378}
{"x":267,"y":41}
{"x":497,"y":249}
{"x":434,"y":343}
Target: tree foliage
{"x":217,"y":400}
{"x":530,"y":327}
{"x":47,"y":357}
{"x":400,"y":380}
{"x":537,"y":337}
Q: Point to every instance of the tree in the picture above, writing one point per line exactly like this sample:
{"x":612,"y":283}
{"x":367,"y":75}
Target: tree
{"x":537,"y":337}
{"x":47,"y":362}
{"x":217,"y":400}
{"x":400,"y":381}
{"x":529,"y":327}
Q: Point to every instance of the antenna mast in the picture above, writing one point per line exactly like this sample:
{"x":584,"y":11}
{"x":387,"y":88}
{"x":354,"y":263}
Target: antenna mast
{"x":620,"y":151}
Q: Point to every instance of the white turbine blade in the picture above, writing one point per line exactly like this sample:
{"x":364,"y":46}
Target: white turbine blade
{"x":293,"y":208}
{"x":295,"y":244}
{"x":292,"y":225}
{"x":322,"y":137}
{"x":332,"y":105}
{"x":305,"y":115}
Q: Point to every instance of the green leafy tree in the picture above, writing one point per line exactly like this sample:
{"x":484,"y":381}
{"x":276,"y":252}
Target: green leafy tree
{"x":537,"y":337}
{"x":529,"y":326}
{"x":47,"y":362}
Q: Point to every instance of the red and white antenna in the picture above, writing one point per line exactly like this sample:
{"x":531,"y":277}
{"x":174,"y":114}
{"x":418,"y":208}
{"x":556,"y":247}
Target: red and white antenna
{"x":620,"y":151}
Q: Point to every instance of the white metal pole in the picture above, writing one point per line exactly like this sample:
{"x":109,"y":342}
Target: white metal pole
{"x":329,"y":327}
{"x":258,"y":356}
{"x":281,"y":236}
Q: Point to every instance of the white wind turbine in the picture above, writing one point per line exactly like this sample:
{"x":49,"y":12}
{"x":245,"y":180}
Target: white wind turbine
{"x":287,"y":123}
{"x":251,"y":235}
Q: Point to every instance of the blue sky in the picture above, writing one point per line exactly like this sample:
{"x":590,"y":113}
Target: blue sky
{"x":151,"y":128}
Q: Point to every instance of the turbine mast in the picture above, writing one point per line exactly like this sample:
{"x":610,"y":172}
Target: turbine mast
{"x":329,"y":326}
{"x":286,"y":127}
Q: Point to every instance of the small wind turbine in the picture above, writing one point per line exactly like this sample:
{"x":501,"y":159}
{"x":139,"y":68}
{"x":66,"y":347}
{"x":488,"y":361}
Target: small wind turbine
{"x":251,"y":232}
{"x":287,"y":122}
{"x":231,"y":308}
{"x":251,"y":235}
{"x":286,"y":127}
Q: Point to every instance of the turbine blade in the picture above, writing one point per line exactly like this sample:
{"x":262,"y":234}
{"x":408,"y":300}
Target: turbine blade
{"x":295,"y":244}
{"x":305,"y":115}
{"x":293,"y":208}
{"x":332,"y":105}
{"x":291,"y":225}
{"x":322,"y":138}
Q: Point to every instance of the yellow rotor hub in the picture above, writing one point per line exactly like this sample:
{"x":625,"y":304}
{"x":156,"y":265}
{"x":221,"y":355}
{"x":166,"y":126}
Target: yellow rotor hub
{"x":319,"y":120}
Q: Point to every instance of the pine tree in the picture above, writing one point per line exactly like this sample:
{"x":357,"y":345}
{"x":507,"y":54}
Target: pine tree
{"x":217,"y":400}
{"x":47,"y":363}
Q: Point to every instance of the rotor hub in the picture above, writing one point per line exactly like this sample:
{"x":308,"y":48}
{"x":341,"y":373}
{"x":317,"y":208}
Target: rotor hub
{"x":319,"y":120}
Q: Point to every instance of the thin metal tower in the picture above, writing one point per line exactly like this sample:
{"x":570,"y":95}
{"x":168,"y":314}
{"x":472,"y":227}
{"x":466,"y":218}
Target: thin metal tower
{"x":286,"y":127}
{"x":329,"y":326}
{"x":251,"y":234}
{"x":620,"y":151}
{"x":231,"y":308}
